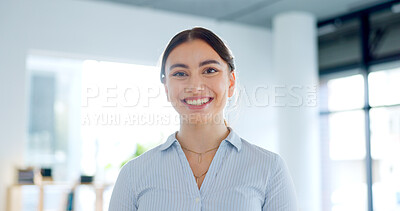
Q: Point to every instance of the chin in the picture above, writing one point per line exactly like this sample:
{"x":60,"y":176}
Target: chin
{"x":201,"y":118}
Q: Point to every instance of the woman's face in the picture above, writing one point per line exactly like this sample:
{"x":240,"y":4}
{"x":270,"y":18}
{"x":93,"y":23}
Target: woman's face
{"x":198,"y":81}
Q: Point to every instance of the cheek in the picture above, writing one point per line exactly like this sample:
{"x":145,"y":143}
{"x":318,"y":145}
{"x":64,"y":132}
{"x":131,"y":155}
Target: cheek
{"x":225,"y":84}
{"x":222,"y":88}
{"x":169,"y":90}
{"x":172,"y":91}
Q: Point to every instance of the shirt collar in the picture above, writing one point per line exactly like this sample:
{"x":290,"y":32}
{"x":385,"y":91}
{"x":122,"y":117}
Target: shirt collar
{"x":170,"y":140}
{"x":232,"y":138}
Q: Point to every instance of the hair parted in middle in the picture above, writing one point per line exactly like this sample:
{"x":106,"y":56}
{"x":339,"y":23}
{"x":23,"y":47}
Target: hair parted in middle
{"x":202,"y":34}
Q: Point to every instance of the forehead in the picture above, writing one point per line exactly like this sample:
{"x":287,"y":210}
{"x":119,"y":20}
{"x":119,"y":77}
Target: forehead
{"x":193,"y":51}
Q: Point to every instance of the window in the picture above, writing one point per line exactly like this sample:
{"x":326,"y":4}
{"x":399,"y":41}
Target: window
{"x":122,"y":105}
{"x":88,"y":118}
{"x":360,"y":109}
{"x":53,"y":125}
{"x":343,"y":143}
{"x":385,"y":135}
{"x":338,"y":44}
{"x":344,"y":139}
{"x":385,"y":33}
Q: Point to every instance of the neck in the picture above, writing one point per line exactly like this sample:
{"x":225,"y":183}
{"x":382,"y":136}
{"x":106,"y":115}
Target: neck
{"x":202,"y":137}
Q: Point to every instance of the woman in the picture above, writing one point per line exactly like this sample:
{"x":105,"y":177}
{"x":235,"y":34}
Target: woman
{"x":205,"y":165}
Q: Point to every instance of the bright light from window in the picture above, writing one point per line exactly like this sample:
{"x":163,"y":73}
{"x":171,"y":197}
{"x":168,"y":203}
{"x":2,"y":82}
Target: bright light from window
{"x":122,"y":105}
{"x":350,"y":197}
{"x":346,"y":93}
{"x":384,"y":87}
{"x":347,"y":135}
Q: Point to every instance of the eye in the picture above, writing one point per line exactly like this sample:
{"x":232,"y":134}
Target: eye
{"x":210,"y":70}
{"x":179,"y":74}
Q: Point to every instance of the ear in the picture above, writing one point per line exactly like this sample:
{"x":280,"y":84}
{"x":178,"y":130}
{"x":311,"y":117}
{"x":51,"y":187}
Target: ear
{"x":232,"y":84}
{"x":166,"y":91}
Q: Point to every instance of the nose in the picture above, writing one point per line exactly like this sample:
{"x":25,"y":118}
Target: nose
{"x":195,"y":84}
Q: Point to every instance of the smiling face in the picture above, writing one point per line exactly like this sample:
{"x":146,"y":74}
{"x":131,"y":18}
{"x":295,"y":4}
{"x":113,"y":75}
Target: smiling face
{"x":198,"y":81}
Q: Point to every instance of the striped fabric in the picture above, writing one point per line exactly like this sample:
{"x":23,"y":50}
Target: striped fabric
{"x":241,"y":177}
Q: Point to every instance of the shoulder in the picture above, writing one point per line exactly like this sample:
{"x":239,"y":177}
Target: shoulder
{"x":152,"y":159}
{"x":257,"y":159}
{"x":257,"y":151}
{"x":263,"y":158}
{"x":246,"y":149}
{"x":143,"y":161}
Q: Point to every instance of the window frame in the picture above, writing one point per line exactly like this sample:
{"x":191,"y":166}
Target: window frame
{"x":364,"y":66}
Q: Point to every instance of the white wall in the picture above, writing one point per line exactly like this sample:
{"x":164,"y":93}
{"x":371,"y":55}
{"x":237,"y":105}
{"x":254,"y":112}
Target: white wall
{"x":98,"y":30}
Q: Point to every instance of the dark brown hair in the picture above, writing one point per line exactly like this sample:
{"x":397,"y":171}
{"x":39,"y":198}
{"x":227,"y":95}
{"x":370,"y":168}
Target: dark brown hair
{"x":202,"y":34}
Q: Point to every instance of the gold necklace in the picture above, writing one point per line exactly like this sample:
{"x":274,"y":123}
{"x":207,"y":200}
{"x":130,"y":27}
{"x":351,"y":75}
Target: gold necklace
{"x":200,"y":153}
{"x":198,"y":177}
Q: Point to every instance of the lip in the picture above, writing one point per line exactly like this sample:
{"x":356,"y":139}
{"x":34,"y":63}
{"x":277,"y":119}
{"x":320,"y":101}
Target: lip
{"x":197,"y":107}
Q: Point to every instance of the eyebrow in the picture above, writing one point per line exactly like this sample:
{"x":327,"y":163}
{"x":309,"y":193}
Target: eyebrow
{"x":206,"y":62}
{"x":210,"y":61}
{"x":178,"y":65}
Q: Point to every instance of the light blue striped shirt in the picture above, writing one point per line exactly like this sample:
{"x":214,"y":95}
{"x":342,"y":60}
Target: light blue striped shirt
{"x":241,"y":177}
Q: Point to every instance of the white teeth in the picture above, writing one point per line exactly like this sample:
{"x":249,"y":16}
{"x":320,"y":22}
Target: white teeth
{"x":198,"y":101}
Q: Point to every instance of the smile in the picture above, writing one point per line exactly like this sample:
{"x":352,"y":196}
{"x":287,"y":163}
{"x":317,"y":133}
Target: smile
{"x":198,"y":101}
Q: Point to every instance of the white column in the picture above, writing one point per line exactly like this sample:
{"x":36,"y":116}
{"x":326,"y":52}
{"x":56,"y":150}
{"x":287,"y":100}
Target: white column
{"x":295,"y":69}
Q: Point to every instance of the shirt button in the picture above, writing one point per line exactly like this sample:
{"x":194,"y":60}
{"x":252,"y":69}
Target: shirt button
{"x":197,"y":200}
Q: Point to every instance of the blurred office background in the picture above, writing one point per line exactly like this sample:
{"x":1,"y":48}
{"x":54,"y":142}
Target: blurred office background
{"x":319,"y":84}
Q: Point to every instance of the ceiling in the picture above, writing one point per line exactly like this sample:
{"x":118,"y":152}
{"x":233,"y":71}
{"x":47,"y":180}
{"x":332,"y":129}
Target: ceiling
{"x":251,"y":12}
